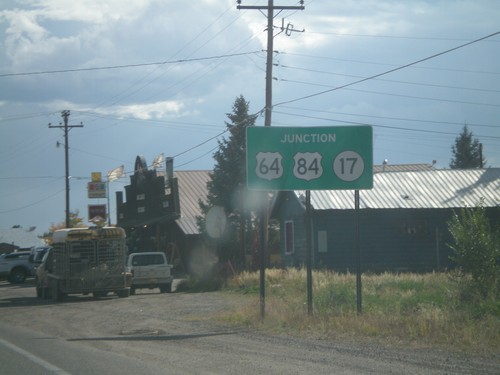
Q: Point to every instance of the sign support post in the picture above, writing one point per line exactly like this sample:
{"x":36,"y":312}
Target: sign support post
{"x":358,"y":252}
{"x":309,"y":252}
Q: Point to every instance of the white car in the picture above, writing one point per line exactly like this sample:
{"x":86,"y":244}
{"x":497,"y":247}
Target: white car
{"x":150,"y":270}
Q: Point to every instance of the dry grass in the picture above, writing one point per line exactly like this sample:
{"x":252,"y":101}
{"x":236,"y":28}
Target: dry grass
{"x":421,"y":310}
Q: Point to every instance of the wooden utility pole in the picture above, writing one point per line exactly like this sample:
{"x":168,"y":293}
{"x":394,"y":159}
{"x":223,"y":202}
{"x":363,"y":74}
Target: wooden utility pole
{"x":66,"y":127}
{"x":264,"y":217}
{"x":269,"y":64}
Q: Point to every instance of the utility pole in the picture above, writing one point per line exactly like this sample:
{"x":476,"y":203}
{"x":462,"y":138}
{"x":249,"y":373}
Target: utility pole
{"x":264,"y":217}
{"x":269,"y":64}
{"x":66,"y":127}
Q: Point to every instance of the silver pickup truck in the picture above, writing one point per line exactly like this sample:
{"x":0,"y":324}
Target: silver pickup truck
{"x":150,"y":270}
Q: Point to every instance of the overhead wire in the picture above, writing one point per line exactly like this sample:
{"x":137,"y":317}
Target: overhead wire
{"x":237,"y":48}
{"x":386,"y":64}
{"x":391,"y":80}
{"x":33,"y":203}
{"x":379,"y":126}
{"x":396,"y":95}
{"x":429,"y":121}
{"x":387,"y":72}
{"x":215,"y":57}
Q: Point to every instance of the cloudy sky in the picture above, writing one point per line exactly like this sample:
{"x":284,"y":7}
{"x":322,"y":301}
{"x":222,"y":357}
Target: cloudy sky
{"x":148,"y":77}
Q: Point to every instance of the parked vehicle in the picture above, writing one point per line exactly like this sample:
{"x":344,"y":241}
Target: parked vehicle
{"x":41,"y":277}
{"x":37,"y":254}
{"x":84,"y":261}
{"x":16,"y":267}
{"x":150,"y":270}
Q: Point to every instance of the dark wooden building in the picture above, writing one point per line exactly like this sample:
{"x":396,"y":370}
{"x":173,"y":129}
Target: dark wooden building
{"x":403,"y":219}
{"x":150,"y":207}
{"x":159,"y":210}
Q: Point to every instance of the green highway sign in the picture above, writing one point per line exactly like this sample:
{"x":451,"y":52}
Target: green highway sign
{"x":310,"y":158}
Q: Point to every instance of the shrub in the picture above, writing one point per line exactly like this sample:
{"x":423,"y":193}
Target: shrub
{"x":476,"y":252}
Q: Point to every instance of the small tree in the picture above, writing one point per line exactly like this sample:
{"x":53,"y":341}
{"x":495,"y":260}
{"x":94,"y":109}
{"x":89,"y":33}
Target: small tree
{"x":466,"y":151}
{"x":476,"y":250}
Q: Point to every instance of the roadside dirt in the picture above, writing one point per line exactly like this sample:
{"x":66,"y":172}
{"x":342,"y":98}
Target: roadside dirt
{"x":178,"y":332}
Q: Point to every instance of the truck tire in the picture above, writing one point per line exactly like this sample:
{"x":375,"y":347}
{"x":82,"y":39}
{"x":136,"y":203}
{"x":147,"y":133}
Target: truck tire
{"x":46,"y":292}
{"x":166,"y":288}
{"x":123,"y":293}
{"x":17,"y":275}
{"x":132,"y":290}
{"x":55,"y":291}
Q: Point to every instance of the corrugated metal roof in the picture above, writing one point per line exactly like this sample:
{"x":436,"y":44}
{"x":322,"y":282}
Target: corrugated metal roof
{"x":192,"y":188}
{"x":418,"y":189}
{"x":422,"y":188}
{"x":402,"y":167}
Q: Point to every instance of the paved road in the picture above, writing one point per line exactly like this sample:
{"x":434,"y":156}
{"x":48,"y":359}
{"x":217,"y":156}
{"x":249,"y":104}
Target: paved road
{"x":23,"y":351}
{"x":153,"y":333}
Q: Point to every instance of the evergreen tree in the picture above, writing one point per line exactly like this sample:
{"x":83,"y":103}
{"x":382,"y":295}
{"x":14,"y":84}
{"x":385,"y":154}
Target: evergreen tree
{"x":227,"y":187}
{"x":466,"y":151}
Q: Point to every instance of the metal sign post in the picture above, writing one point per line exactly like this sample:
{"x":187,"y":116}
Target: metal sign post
{"x":309,"y":252}
{"x":358,"y":252}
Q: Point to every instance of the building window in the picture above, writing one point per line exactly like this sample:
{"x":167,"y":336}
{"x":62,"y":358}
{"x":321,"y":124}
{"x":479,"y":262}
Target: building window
{"x":165,"y":204}
{"x":322,"y":241}
{"x":289,"y":240}
{"x":141,"y":210}
{"x":141,"y":197}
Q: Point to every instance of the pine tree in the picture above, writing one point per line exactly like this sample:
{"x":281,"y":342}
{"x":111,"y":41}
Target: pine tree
{"x":227,"y":186}
{"x":466,"y":151}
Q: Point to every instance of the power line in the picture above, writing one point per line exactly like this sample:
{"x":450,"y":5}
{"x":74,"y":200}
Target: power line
{"x":390,"y":80}
{"x":29,"y":177}
{"x":392,"y":118}
{"x":129,"y":65}
{"x":388,"y":71}
{"x":199,"y":157}
{"x":124,"y":96}
{"x":386,"y":64}
{"x":381,"y":126}
{"x":397,"y":95}
{"x":200,"y":144}
{"x":26,"y":116}
{"x":31,"y":204}
{"x":394,"y":36}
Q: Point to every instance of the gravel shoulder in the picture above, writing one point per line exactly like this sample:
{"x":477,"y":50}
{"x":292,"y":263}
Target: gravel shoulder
{"x":178,"y":331}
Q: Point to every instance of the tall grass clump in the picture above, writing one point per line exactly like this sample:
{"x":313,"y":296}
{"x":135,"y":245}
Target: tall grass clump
{"x":419,"y":309}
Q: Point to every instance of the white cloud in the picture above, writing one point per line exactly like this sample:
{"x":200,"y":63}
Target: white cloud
{"x":59,"y":28}
{"x":157,"y":110}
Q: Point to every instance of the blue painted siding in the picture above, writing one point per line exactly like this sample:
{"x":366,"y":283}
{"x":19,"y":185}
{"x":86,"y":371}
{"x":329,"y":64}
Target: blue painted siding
{"x":390,"y":240}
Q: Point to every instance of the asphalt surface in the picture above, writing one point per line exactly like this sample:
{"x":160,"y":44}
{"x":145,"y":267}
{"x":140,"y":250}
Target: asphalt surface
{"x":153,"y":333}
